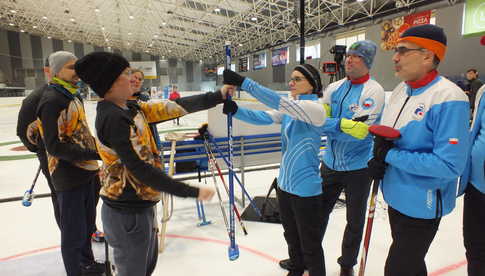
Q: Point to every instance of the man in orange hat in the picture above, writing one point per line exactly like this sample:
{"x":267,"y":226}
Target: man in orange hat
{"x":420,"y":170}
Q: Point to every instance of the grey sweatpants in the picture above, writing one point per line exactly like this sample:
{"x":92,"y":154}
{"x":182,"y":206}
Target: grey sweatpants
{"x":133,"y":238}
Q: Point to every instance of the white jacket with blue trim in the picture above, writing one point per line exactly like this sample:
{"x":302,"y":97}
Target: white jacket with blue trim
{"x":350,"y":101}
{"x":301,"y":130}
{"x":475,"y":170}
{"x":424,"y":166}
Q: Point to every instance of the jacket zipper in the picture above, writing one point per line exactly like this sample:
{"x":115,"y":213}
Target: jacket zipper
{"x":340,"y":113}
{"x":400,"y":111}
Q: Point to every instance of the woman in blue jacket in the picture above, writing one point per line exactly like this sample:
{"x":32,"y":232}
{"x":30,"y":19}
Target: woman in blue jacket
{"x":299,"y":190}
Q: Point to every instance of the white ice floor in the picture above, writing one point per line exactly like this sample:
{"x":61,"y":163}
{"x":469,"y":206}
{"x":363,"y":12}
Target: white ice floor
{"x":30,"y":238}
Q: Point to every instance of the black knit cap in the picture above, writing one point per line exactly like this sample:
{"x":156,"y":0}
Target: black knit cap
{"x":428,"y":31}
{"x":312,"y":75}
{"x":100,"y":70}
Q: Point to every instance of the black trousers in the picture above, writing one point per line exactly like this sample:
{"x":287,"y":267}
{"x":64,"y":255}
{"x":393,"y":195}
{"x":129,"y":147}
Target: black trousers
{"x":42,"y":156}
{"x":302,"y":220}
{"x":356,"y":185}
{"x":78,"y":216}
{"x":411,"y":239}
{"x":473,"y":230}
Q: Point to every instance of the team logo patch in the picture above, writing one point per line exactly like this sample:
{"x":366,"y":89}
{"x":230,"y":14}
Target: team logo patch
{"x":419,"y":112}
{"x":354,"y":107}
{"x":368,"y":103}
{"x":453,"y":141}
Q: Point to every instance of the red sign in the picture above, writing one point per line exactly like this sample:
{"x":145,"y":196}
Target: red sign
{"x":392,"y":29}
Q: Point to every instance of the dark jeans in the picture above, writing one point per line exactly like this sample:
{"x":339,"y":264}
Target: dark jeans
{"x":473,"y":230}
{"x":78,"y":216}
{"x":133,"y":237}
{"x":42,"y":156}
{"x":302,"y":220}
{"x":411,"y":239}
{"x":356,"y":185}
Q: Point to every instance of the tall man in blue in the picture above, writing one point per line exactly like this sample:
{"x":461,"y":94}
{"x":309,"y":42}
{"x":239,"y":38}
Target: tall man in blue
{"x":472,"y":183}
{"x":345,"y":160}
{"x":420,"y":170}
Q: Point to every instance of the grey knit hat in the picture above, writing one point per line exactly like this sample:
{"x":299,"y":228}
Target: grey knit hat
{"x":58,"y":59}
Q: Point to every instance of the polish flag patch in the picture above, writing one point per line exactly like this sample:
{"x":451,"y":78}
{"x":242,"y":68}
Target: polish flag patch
{"x":453,"y":141}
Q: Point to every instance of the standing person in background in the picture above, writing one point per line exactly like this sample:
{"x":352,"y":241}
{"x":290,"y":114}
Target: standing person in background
{"x":473,"y":85}
{"x":173,"y":96}
{"x":345,"y":160}
{"x":137,"y":79}
{"x":133,"y":177}
{"x":420,"y":170}
{"x":303,"y":122}
{"x":72,"y":155}
{"x":472,"y":183}
{"x":28,"y":132}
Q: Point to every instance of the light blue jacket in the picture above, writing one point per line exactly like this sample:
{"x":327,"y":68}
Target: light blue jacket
{"x":423,"y":168}
{"x":350,"y":101}
{"x":301,"y":130}
{"x":475,"y":170}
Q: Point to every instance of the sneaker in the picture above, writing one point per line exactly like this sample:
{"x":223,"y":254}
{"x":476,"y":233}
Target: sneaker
{"x":287,"y":264}
{"x":97,"y":236}
{"x":346,"y":271}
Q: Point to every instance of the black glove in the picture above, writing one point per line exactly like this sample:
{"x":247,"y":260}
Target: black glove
{"x":381,"y":147}
{"x":203,"y":130}
{"x":232,"y":78}
{"x":230,"y":107}
{"x":376,"y":169}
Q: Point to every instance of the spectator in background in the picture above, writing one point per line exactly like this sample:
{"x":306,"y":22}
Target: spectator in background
{"x":173,"y":96}
{"x":473,"y":85}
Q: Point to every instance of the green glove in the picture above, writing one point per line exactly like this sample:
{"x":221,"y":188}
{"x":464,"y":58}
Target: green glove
{"x":355,"y":129}
{"x":328,"y":110}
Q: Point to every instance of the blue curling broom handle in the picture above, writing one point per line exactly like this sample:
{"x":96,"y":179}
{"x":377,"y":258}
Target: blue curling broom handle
{"x":233,"y":249}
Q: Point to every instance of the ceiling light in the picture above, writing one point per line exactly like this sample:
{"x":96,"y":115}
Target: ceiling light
{"x":13,"y":11}
{"x":109,"y":47}
{"x":164,"y":23}
{"x":254,"y":19}
{"x":102,"y":28}
{"x":107,"y":40}
{"x":11,"y":24}
{"x":146,"y":51}
{"x":155,"y":36}
{"x":96,"y":10}
{"x":35,"y":27}
{"x":44,"y":17}
{"x":131,"y":17}
{"x":72,"y":19}
{"x":129,"y":33}
{"x":217,"y":10}
{"x":169,"y":51}
{"x":49,"y":37}
{"x":240,"y":45}
{"x":22,"y":31}
{"x":69,"y":41}
{"x":360,"y":0}
{"x":128,"y":43}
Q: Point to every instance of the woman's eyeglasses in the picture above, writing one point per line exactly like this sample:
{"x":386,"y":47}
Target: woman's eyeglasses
{"x":297,"y":79}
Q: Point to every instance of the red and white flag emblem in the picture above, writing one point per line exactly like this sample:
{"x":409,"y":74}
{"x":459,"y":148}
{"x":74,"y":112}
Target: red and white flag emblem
{"x":453,"y":141}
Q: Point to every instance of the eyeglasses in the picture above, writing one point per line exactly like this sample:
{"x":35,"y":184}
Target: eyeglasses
{"x":297,"y":79}
{"x":127,"y":72}
{"x":401,"y":50}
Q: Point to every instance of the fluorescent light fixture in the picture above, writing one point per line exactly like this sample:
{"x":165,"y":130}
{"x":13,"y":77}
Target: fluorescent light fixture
{"x":35,"y":27}
{"x":217,"y":10}
{"x":44,"y":17}
{"x":96,"y":10}
{"x":254,"y":19}
{"x":131,"y":17}
{"x":13,"y":11}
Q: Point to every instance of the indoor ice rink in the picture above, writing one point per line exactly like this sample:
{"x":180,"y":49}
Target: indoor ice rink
{"x":179,"y":46}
